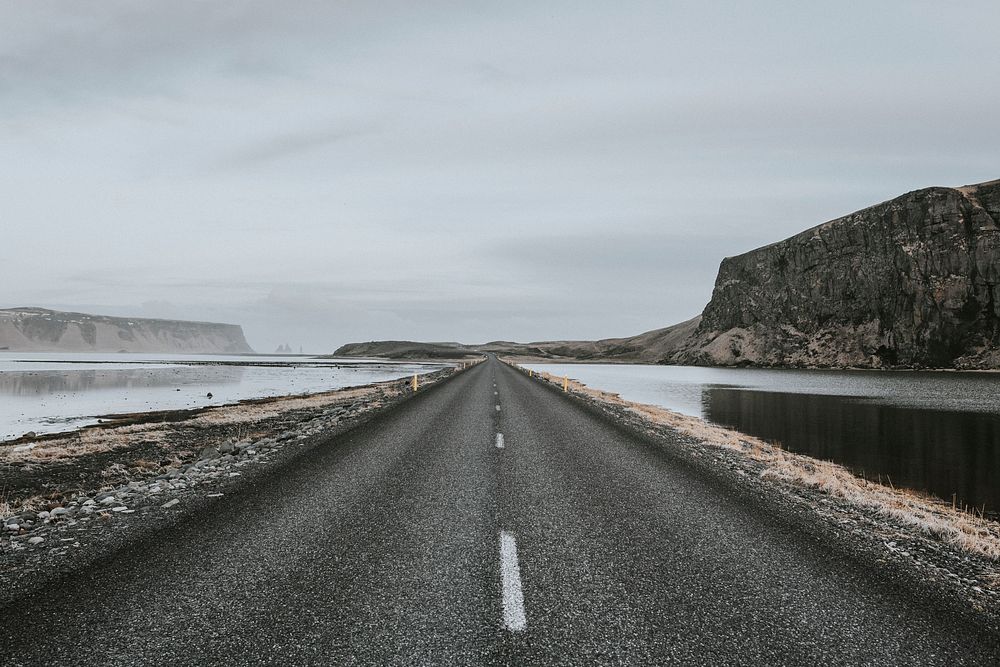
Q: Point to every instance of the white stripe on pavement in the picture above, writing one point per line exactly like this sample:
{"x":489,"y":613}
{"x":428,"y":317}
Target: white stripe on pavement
{"x":510,"y":579}
{"x":499,"y":440}
{"x":498,"y":408}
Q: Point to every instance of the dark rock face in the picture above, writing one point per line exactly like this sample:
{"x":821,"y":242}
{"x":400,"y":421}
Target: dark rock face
{"x":912,"y":282}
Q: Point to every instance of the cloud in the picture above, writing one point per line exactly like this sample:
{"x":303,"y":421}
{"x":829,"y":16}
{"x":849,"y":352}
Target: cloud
{"x":460,"y":171}
{"x":291,"y":144}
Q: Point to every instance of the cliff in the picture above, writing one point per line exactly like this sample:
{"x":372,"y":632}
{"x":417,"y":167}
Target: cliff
{"x":41,"y":330}
{"x":912,"y":282}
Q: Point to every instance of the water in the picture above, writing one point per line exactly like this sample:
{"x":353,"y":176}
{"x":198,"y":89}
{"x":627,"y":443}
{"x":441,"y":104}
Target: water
{"x":53,"y":392}
{"x":935,"y":432}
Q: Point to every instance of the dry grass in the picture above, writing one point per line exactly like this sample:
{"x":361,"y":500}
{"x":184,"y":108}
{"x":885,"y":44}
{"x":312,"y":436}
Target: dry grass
{"x":10,"y":506}
{"x":243,"y":416}
{"x":918,"y":512}
{"x":85,"y":441}
{"x":5,"y":507}
{"x":253,"y":412}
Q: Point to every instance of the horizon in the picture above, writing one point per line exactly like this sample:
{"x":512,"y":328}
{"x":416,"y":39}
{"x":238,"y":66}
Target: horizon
{"x":568,"y":172}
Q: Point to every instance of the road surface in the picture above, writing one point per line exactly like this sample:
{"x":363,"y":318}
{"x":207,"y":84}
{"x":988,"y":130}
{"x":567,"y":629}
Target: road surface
{"x":487,"y":521}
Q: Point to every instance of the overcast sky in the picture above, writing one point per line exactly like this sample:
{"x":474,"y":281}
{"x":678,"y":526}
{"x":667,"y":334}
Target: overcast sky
{"x":336,"y":171}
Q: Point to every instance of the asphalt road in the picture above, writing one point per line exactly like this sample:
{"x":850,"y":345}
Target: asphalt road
{"x":424,"y":538}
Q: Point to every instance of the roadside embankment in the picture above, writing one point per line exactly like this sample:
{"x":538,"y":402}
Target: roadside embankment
{"x":955,"y":550}
{"x":67,"y":500}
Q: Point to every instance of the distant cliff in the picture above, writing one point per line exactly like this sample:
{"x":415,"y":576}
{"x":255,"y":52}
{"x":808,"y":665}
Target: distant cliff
{"x":41,"y":330}
{"x":912,"y":282}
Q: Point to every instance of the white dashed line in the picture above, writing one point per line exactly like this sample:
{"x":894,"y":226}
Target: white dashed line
{"x":499,"y":440}
{"x":498,"y":408}
{"x":510,"y":579}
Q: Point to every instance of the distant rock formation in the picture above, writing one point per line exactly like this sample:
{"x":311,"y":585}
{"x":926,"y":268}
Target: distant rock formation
{"x":42,"y":330}
{"x":913,"y":282}
{"x":651,"y":346}
{"x":283,"y":349}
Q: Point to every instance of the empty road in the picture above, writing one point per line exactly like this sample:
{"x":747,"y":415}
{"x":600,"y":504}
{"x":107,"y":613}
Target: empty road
{"x":486,"y":521}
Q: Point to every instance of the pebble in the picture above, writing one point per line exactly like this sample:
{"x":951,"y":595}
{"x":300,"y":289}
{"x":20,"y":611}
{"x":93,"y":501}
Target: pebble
{"x":212,"y":463}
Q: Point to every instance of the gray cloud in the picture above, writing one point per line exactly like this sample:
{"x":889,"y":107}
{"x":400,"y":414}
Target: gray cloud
{"x":460,"y":170}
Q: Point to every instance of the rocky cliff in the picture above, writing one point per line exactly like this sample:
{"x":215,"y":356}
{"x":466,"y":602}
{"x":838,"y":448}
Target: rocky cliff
{"x":912,"y":282}
{"x":41,"y":330}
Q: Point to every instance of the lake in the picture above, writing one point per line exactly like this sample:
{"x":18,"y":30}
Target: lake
{"x":54,"y":392}
{"x":937,"y":432}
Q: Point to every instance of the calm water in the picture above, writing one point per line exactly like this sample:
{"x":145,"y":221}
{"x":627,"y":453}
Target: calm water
{"x":937,"y":432}
{"x":48,"y":393}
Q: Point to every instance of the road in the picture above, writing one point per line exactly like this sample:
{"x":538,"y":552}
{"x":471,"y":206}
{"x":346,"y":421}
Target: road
{"x":486,"y":521}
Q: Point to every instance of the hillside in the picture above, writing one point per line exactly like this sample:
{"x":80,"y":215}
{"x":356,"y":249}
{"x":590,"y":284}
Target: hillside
{"x":42,"y":330}
{"x":913,"y":282}
{"x":648,"y":347}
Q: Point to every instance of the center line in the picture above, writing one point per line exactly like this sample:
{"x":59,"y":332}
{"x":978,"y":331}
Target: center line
{"x":499,"y":440}
{"x":498,"y":408}
{"x":510,"y":578}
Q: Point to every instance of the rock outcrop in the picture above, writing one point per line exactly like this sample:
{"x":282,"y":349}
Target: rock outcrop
{"x":913,"y":282}
{"x":41,"y":330}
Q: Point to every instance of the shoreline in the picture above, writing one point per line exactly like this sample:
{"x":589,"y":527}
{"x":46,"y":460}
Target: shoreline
{"x":76,"y":498}
{"x":750,"y":367}
{"x":163,"y":402}
{"x":920,"y":538}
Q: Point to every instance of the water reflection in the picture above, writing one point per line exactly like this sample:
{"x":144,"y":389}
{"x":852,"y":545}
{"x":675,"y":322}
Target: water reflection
{"x":58,"y":392}
{"x":941,"y":451}
{"x":39,"y":383}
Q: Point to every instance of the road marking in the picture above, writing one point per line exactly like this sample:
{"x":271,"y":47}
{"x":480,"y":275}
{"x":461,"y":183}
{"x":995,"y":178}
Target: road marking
{"x":496,"y":393}
{"x":499,"y":440}
{"x":498,"y":408}
{"x":510,"y":579}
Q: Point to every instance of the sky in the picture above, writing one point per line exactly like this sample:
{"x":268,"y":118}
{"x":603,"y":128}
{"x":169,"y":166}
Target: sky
{"x":326,"y":172}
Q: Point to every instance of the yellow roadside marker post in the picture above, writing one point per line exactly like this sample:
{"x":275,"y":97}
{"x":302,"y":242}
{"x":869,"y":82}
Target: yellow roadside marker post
{"x":565,"y":382}
{"x":414,"y":382}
